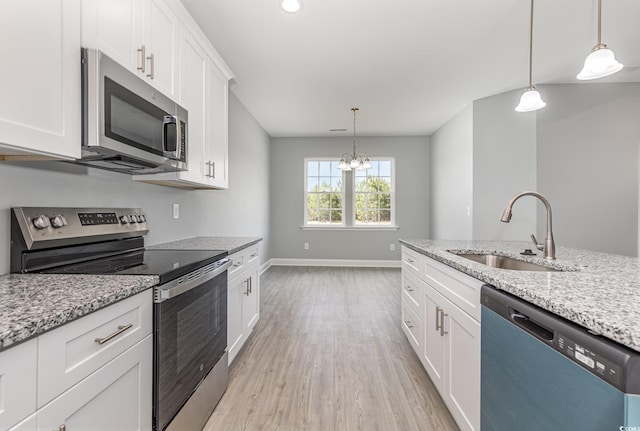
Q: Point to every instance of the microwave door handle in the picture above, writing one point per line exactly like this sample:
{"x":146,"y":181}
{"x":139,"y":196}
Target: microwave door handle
{"x":171,"y":120}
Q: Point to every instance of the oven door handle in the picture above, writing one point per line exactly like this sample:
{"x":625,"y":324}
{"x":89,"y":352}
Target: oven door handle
{"x":179,"y":286}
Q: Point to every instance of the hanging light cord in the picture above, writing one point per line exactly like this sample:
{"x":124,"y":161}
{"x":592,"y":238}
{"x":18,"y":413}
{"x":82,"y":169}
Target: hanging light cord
{"x":354,"y":131}
{"x":599,"y":24}
{"x":531,"y":47}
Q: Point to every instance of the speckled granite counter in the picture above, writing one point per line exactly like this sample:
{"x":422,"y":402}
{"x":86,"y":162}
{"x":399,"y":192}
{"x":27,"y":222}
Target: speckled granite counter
{"x":31,"y":304}
{"x":598,"y":291}
{"x":230,"y":243}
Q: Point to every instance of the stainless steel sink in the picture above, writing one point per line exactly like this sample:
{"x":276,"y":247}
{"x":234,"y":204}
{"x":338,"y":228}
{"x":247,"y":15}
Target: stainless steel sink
{"x":504,"y":262}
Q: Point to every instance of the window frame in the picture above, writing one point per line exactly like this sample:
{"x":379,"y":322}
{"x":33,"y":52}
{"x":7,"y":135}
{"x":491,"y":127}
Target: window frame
{"x":306,"y":223}
{"x":392,"y":175}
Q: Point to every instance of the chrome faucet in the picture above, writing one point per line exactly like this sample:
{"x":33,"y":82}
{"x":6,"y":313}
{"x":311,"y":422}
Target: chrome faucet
{"x":549,"y":245}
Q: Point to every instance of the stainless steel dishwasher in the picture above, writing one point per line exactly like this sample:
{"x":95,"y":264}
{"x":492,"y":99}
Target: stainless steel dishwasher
{"x":542,"y":372}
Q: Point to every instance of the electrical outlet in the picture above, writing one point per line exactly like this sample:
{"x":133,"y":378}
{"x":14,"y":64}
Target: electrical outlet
{"x":392,"y":247}
{"x":306,"y":246}
{"x":176,"y":211}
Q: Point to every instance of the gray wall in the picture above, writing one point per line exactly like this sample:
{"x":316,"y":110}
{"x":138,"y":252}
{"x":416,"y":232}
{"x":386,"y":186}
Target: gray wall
{"x":504,"y":163}
{"x":240,"y":211}
{"x":588,"y":138}
{"x":452,"y":178}
{"x":287,"y":198}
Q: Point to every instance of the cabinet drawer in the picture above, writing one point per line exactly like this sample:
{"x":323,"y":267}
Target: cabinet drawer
{"x":237,"y":266}
{"x":411,"y":261}
{"x":18,"y":383}
{"x":411,"y":325}
{"x":457,"y":287}
{"x":72,"y":352}
{"x":412,"y":292}
{"x":252,"y":254}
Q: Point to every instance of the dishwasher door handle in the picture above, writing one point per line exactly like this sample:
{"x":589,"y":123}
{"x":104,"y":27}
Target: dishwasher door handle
{"x":524,"y":322}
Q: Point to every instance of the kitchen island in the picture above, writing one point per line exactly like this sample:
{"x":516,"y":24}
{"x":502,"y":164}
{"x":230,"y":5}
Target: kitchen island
{"x":598,"y":291}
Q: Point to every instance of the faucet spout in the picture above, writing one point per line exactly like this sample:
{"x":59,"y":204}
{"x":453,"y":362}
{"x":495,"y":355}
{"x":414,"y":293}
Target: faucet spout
{"x":549,"y":243}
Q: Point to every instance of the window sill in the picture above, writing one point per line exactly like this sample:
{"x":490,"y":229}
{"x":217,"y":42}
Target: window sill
{"x":354,"y":228}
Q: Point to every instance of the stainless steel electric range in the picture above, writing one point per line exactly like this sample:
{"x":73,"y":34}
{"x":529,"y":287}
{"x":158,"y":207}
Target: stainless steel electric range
{"x":190,"y":302}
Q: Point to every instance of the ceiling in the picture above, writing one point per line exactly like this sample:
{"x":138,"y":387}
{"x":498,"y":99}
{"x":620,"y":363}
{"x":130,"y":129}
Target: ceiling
{"x":409,"y":65}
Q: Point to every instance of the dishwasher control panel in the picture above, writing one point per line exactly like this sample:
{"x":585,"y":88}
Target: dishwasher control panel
{"x":592,"y":361}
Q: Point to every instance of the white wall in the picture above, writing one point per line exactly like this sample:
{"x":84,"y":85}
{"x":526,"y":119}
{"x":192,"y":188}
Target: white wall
{"x":240,"y":211}
{"x":287,"y":198}
{"x":452,"y":178}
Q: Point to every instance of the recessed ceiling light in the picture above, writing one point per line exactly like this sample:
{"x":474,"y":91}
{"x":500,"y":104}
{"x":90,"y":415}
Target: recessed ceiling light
{"x":291,"y":6}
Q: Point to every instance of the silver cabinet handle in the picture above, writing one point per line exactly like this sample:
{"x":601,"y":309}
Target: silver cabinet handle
{"x":408,"y":259}
{"x":442,"y":316}
{"x":438,"y":310}
{"x":213,"y":169}
{"x":62,"y":428}
{"x":152,"y":62}
{"x":143,"y":58}
{"x":237,"y":264}
{"x":254,"y":254}
{"x":120,"y":330}
{"x":408,"y":323}
{"x":250,"y":284}
{"x":246,"y":291}
{"x":408,"y":288}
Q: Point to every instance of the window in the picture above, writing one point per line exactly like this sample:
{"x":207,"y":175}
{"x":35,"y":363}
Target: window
{"x":324,"y":193}
{"x":373,"y":195}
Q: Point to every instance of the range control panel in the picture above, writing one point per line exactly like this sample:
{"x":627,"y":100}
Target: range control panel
{"x":592,"y":361}
{"x":70,"y":225}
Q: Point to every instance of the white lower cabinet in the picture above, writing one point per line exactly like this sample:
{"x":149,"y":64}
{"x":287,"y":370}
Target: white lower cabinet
{"x":90,"y":374}
{"x":18,"y":383}
{"x":448,"y":344}
{"x":116,"y":397}
{"x":243,"y":298}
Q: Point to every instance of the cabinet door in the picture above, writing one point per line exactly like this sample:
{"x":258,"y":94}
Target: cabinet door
{"x":235,"y":333}
{"x":218,"y":125}
{"x":462,"y":388}
{"x":40,"y":76}
{"x":251,"y":300}
{"x":116,"y":397}
{"x":193,"y":84}
{"x":18,"y":367}
{"x":29,"y":424}
{"x":161,"y":38}
{"x":433,"y":357}
{"x":115,"y":28}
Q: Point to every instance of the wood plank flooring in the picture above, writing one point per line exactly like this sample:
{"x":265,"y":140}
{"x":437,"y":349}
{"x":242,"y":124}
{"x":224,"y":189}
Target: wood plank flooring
{"x":328,"y":354}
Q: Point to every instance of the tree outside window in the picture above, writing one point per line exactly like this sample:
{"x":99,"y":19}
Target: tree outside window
{"x":324,"y":193}
{"x":373,"y":193}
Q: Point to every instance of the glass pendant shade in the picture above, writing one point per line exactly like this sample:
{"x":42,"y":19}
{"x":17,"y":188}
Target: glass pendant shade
{"x":530,"y":101}
{"x":600,"y":63}
{"x":355,"y":163}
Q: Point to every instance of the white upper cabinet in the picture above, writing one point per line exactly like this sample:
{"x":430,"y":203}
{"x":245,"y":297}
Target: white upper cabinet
{"x":141,"y":35}
{"x":204,"y":92}
{"x":40,"y":76}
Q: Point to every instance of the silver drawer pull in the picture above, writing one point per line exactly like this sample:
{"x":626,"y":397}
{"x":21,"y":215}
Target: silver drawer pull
{"x":237,"y":264}
{"x":120,"y":330}
{"x":408,"y":323}
{"x":409,"y":289}
{"x":408,"y":259}
{"x":254,"y":254}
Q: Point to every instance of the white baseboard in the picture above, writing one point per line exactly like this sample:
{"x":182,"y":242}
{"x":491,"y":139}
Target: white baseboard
{"x":333,"y":262}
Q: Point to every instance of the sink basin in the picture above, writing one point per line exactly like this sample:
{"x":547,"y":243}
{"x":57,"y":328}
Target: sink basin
{"x":504,"y":262}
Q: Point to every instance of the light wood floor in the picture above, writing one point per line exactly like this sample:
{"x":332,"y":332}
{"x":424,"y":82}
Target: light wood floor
{"x":328,"y":354}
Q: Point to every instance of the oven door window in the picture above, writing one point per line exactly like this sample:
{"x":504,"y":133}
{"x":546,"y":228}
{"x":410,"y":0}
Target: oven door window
{"x":191,"y":336}
{"x":132,"y":120}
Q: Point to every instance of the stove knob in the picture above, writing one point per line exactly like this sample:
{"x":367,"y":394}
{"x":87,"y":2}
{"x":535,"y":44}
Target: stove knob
{"x":41,"y":222}
{"x":142,"y":218}
{"x":58,"y":221}
{"x":133,"y":218}
{"x":124,"y":219}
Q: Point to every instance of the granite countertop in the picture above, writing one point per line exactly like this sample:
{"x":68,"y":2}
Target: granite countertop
{"x":34,"y":303}
{"x":598,"y":291}
{"x":232,"y":244}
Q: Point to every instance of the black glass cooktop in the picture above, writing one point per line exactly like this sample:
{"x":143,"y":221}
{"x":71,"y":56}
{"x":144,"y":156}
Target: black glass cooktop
{"x":167,"y":264}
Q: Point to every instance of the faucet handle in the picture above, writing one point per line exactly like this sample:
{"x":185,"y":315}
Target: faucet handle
{"x":535,"y":242}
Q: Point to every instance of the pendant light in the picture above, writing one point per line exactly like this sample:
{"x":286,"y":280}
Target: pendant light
{"x":531,"y":99}
{"x":601,"y":62}
{"x":291,"y":6}
{"x":360,"y":161}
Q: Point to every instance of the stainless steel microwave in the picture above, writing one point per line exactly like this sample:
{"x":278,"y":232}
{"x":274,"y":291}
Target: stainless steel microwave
{"x":127,"y":125}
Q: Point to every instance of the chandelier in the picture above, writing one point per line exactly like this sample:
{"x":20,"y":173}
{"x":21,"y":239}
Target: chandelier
{"x":360,"y":161}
